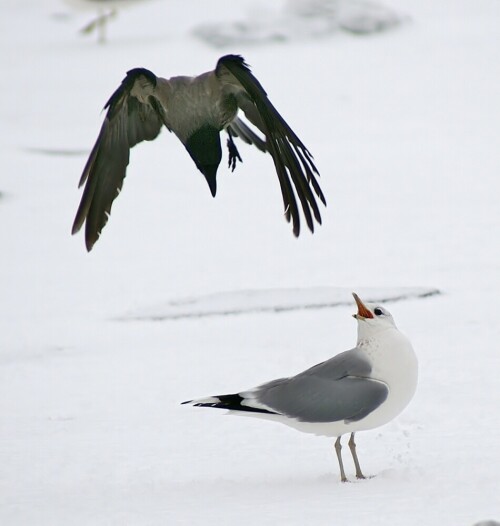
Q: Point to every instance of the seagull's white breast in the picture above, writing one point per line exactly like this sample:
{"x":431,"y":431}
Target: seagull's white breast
{"x":394,"y":362}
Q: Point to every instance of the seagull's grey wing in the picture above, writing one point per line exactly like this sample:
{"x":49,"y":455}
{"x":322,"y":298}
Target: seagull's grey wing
{"x":292,"y":160}
{"x":134,"y":115}
{"x":338,"y":389}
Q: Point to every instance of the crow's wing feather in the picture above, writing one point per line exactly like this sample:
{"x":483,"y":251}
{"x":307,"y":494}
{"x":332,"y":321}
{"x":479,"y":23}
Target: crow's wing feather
{"x":129,"y":120}
{"x":292,"y":160}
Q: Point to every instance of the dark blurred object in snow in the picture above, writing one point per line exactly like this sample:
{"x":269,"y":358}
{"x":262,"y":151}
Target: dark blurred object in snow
{"x":300,"y":20}
{"x":57,"y":152}
{"x":105,"y":11}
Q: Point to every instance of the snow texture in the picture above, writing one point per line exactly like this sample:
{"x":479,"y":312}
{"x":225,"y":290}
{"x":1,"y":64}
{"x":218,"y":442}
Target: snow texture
{"x":300,"y":20}
{"x":404,"y":128}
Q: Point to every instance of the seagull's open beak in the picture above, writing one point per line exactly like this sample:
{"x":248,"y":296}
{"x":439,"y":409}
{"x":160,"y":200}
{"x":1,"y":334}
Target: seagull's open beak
{"x":363,"y":312}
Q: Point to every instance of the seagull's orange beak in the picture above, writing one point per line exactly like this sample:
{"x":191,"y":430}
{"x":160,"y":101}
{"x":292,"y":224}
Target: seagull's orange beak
{"x":363,"y":312}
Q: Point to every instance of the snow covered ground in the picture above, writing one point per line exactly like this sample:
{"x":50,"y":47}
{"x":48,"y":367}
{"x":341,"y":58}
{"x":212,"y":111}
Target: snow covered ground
{"x":404,"y":126}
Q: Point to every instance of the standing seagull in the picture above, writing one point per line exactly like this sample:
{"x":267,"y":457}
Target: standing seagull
{"x":196,"y":110}
{"x":359,"y":389}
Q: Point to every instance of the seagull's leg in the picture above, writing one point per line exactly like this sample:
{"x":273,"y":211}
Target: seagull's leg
{"x":234,"y":155}
{"x":91,"y":26}
{"x":99,"y":24}
{"x":338,"y":449}
{"x":352,"y":447}
{"x":101,"y":27}
{"x":103,"y":21}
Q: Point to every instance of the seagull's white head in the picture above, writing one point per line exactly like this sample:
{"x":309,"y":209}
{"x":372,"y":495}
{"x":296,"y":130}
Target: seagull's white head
{"x":372,"y":318}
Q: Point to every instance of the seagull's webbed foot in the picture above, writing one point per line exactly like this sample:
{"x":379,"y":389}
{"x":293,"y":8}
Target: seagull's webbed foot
{"x":234,"y":155}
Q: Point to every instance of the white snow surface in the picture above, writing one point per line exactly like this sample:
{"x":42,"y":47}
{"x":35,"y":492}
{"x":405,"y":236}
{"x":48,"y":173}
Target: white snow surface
{"x":404,"y":127}
{"x":300,"y":20}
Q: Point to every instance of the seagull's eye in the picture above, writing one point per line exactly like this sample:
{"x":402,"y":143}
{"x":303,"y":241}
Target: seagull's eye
{"x":378,"y":311}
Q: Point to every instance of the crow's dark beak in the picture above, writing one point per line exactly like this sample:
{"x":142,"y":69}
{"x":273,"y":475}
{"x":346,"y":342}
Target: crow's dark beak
{"x":210,"y":173}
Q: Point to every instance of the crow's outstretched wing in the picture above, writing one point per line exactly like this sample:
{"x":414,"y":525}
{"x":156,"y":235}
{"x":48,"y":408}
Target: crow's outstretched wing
{"x":133,"y":116}
{"x":292,"y":160}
